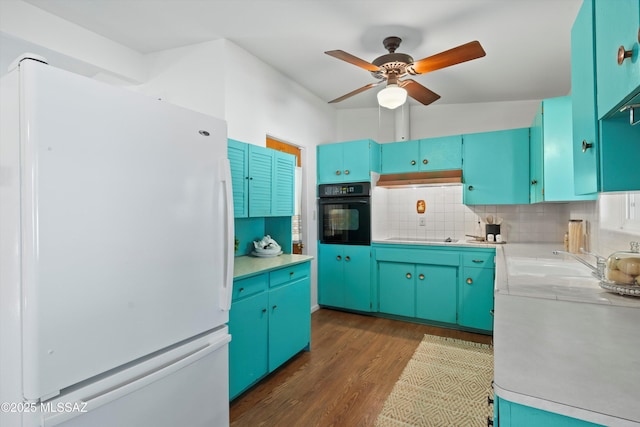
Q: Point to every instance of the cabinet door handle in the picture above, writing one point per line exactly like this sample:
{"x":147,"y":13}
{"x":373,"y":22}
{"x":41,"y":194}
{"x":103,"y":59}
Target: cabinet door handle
{"x":339,"y":258}
{"x":338,"y":172}
{"x":586,"y":145}
{"x":413,"y":162}
{"x":421,"y":277}
{"x":346,"y":172}
{"x":274,"y":307}
{"x":534,"y":181}
{"x":347,"y":258}
{"x":477,"y":261}
{"x":470,"y":188}
{"x":264,"y":310}
{"x":491,"y":312}
{"x":291,"y":273}
{"x":623,"y":54}
{"x":240,"y":290}
{"x":425,"y":161}
{"x":408,"y":275}
{"x":469,"y":280}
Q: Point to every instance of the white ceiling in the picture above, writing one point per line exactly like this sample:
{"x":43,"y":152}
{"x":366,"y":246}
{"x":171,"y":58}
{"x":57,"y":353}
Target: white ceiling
{"x":527,"y":41}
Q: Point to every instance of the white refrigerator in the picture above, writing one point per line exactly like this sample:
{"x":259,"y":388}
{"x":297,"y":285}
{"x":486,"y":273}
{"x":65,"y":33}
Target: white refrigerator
{"x":116,"y":256}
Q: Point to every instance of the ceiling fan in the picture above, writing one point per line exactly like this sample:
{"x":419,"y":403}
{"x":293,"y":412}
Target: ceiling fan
{"x":393,"y":66}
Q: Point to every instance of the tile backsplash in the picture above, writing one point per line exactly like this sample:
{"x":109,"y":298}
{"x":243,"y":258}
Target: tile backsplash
{"x":394,"y":215}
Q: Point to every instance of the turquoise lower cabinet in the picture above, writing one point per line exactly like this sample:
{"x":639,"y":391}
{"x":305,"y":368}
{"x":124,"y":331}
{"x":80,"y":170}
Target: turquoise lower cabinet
{"x":476,"y":299}
{"x":419,"y":282}
{"x":475,"y":304}
{"x":397,"y":288}
{"x":436,"y":292}
{"x":289,"y":321}
{"x":344,"y":276}
{"x":495,"y":167}
{"x":509,"y":414}
{"x":418,"y":290}
{"x":269,"y":323}
{"x":248,"y":326}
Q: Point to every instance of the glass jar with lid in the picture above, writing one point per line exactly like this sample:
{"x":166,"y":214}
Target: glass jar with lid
{"x":622,"y":273}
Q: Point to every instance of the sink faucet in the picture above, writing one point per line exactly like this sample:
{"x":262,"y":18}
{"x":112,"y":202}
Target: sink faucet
{"x":598,"y":269}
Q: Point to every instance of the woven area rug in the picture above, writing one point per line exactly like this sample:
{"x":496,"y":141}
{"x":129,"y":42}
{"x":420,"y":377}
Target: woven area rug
{"x":446,"y":383}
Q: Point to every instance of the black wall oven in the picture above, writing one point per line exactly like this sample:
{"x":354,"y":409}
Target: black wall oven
{"x":345,"y":213}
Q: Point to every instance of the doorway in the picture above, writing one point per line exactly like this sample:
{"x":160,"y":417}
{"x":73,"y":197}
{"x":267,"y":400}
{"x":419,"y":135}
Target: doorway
{"x":296,"y":219}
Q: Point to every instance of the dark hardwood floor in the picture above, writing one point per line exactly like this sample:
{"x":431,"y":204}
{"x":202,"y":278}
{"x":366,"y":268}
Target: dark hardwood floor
{"x":344,"y":380}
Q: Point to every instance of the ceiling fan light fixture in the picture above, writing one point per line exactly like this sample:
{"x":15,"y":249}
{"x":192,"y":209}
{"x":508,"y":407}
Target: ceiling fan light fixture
{"x":392,"y":96}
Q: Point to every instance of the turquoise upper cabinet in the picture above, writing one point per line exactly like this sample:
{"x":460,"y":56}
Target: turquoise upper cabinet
{"x":284,"y":184}
{"x":238,"y":154}
{"x":551,"y":154}
{"x":347,"y":161}
{"x":399,"y":157}
{"x":423,"y":155}
{"x":605,"y":152}
{"x":261,"y":173}
{"x":536,"y":171}
{"x":586,"y":143}
{"x":495,"y":167}
{"x":262,"y":180}
{"x":617,"y":31}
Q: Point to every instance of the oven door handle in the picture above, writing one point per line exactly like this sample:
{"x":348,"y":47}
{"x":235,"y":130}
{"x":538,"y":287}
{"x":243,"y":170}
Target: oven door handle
{"x":343,"y":201}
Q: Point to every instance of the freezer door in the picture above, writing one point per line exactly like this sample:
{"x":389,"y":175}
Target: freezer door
{"x":126,"y":232}
{"x":185,"y":387}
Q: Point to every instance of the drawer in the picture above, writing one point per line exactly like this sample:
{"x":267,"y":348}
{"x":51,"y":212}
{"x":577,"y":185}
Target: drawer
{"x":479,"y":259}
{"x":250,"y":286}
{"x":418,"y":256}
{"x":288,"y":274}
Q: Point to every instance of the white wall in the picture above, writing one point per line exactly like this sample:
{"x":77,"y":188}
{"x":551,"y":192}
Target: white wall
{"x":260,"y":101}
{"x":61,"y":40}
{"x":435,"y":120}
{"x":216,"y":78}
{"x":189,"y":76}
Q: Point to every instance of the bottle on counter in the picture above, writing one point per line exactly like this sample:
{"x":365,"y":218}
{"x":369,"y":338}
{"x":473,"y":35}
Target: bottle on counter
{"x":566,"y":241}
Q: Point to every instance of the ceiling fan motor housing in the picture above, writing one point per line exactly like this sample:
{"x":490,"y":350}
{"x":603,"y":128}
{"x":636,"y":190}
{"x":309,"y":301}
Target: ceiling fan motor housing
{"x":394,"y":63}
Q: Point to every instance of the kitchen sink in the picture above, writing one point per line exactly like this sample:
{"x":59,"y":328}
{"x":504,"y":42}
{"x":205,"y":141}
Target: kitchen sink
{"x":421,"y":240}
{"x":545,"y":267}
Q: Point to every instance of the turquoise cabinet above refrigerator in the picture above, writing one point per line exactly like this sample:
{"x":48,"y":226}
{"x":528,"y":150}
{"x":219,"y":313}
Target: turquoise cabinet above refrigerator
{"x":495,"y":167}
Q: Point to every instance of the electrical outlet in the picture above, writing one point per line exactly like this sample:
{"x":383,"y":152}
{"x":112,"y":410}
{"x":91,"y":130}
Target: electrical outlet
{"x":421,"y":222}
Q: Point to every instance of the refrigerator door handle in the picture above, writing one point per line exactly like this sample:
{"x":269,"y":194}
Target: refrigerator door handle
{"x":137,"y":381}
{"x":227,"y":288}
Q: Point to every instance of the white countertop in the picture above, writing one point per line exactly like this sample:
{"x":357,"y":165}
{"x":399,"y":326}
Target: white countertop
{"x":525,"y":269}
{"x":435,"y":242}
{"x":244,"y":266}
{"x":562,"y":343}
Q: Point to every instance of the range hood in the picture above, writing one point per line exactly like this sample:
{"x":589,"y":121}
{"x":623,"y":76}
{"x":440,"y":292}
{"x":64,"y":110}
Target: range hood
{"x":414,"y":179}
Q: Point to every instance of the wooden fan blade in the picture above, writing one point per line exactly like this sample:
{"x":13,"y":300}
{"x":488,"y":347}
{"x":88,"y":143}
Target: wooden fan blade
{"x":419,"y":92}
{"x":340,"y":54}
{"x":355,"y":92}
{"x":462,"y":53}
